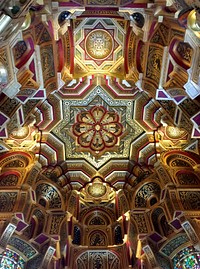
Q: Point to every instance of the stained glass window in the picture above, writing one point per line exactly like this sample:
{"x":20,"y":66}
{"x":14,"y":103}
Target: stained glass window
{"x":188,"y":258}
{"x":11,"y":260}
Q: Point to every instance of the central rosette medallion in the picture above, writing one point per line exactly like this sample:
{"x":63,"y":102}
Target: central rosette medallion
{"x":99,"y":44}
{"x":97,"y":129}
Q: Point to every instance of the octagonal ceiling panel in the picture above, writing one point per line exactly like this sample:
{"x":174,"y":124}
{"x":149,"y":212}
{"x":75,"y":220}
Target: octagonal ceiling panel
{"x":99,"y":46}
{"x":97,"y":128}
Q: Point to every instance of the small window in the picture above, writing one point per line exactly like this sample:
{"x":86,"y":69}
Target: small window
{"x":42,"y":202}
{"x":153,"y":201}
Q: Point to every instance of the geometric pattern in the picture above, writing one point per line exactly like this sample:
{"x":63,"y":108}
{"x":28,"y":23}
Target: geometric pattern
{"x":98,"y":97}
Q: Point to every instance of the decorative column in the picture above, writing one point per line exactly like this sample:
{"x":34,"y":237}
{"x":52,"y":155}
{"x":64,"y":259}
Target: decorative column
{"x":48,"y":255}
{"x":193,"y":85}
{"x":163,"y":174}
{"x":190,"y":232}
{"x":150,"y":255}
{"x":5,"y":237}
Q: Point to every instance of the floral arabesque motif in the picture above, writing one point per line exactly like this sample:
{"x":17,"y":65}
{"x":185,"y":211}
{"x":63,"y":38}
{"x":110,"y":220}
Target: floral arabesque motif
{"x":97,"y":129}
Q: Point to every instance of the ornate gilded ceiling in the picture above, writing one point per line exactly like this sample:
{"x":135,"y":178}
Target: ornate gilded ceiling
{"x":100,"y":121}
{"x":105,"y":97}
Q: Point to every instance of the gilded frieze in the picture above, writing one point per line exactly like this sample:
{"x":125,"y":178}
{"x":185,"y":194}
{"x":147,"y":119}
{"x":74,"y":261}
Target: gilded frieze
{"x":141,"y":223}
{"x":47,"y":60}
{"x":176,"y":243}
{"x":190,"y":199}
{"x":25,"y":248}
{"x":8,"y":201}
{"x":154,"y":64}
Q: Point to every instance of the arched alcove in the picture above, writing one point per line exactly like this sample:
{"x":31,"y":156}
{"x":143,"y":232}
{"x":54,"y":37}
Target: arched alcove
{"x":160,"y":223}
